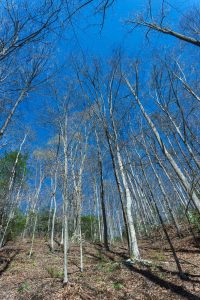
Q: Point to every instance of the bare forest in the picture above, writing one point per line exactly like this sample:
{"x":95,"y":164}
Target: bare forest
{"x":99,"y":149}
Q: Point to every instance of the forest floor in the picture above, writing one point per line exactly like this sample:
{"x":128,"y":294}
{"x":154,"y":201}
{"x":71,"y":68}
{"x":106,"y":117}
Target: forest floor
{"x":107,"y":275}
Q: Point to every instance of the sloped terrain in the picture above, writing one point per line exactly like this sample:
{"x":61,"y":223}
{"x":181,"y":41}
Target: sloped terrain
{"x":107,"y":275}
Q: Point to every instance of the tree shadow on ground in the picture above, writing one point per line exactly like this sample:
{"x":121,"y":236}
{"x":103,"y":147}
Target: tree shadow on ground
{"x":156,"y":279}
{"x":163,"y":283}
{"x":160,"y":268}
{"x":184,"y":261}
{"x":97,"y":258}
{"x":181,"y":250}
{"x":6,"y":259}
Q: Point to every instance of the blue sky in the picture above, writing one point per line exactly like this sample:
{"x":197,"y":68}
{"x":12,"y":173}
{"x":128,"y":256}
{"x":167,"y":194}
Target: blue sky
{"x":85,"y":39}
{"x":115,"y":32}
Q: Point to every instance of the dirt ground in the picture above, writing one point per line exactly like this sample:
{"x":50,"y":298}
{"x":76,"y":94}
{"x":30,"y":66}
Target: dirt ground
{"x":107,"y":275}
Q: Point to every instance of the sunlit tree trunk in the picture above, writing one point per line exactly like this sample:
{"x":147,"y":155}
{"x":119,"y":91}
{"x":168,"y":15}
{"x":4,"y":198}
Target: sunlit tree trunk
{"x":63,"y":128}
{"x":176,"y":168}
{"x":165,"y":196}
{"x":134,"y":250}
{"x":119,"y":187}
{"x":164,"y":227}
{"x":54,"y":186}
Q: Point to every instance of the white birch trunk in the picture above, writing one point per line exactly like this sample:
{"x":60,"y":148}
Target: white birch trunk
{"x":178,"y":171}
{"x":54,"y":211}
{"x":63,"y":128}
{"x":134,"y":250}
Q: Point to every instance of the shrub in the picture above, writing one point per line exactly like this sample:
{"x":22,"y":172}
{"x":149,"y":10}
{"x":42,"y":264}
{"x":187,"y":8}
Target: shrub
{"x":194,"y":218}
{"x":89,"y":225}
{"x":16,"y":225}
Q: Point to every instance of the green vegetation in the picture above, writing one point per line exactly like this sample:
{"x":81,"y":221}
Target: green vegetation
{"x":113,"y":266}
{"x":42,"y":222}
{"x":106,"y":265}
{"x":118,"y":285}
{"x":192,"y":215}
{"x":6,"y":168}
{"x":13,"y":171}
{"x":89,"y":225}
{"x":55,"y":273}
{"x":194,"y":218}
{"x":23,"y":287}
{"x":159,"y":256}
{"x":16,"y":225}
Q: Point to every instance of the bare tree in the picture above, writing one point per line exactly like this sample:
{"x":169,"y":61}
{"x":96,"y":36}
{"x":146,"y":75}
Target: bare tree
{"x":188,"y":187}
{"x":151,"y":23}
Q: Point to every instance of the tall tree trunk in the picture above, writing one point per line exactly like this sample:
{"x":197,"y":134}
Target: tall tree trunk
{"x":177,"y":170}
{"x":134,"y":250}
{"x":182,"y":275}
{"x":117,"y":179}
{"x":54,"y":210}
{"x":103,"y":207}
{"x":165,"y":197}
{"x":63,"y":128}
